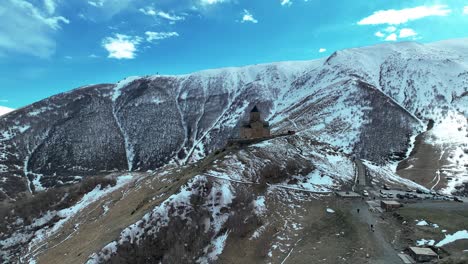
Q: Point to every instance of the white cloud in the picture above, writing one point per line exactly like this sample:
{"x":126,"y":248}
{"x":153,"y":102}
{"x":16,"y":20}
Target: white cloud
{"x":121,"y":46}
{"x":27,"y":29}
{"x":151,"y":12}
{"x":150,"y":36}
{"x":391,"y":37}
{"x":98,"y":3}
{"x":248,"y":17}
{"x":406,"y":33}
{"x":379,"y":34}
{"x":211,"y":2}
{"x":390,"y":29}
{"x":396,"y":17}
{"x":465,"y":10}
{"x":286,"y":2}
{"x":108,"y":8}
{"x":50,"y":6}
{"x":169,"y":16}
{"x":322,"y":50}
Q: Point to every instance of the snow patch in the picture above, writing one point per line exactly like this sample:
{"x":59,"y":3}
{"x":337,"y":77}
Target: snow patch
{"x":422,"y":223}
{"x":423,"y":242}
{"x":259,"y":205}
{"x":121,"y":84}
{"x":459,"y":235}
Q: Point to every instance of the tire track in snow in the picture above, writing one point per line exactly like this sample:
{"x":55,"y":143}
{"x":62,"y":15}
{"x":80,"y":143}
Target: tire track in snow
{"x":438,"y":171}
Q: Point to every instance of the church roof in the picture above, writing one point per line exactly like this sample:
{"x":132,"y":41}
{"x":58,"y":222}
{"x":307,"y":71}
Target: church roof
{"x":254,"y":110}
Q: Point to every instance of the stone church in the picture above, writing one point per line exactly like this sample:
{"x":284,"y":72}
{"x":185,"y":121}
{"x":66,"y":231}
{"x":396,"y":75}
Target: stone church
{"x":255,"y":127}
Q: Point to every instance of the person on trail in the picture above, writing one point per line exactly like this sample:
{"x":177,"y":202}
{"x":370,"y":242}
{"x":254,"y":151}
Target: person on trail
{"x":358,"y":210}
{"x":372,"y":227}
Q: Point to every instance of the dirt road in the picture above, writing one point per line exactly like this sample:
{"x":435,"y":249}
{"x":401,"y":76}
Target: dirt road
{"x":360,"y":181}
{"x":387,"y":254}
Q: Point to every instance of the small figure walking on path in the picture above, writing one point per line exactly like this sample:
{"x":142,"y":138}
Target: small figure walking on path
{"x":358,"y":210}
{"x":372,"y":227}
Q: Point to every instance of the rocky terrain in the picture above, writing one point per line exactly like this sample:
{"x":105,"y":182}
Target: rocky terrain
{"x":161,"y":143}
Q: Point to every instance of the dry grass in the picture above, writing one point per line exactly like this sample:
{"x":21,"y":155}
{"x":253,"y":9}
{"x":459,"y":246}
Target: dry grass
{"x":29,"y":208}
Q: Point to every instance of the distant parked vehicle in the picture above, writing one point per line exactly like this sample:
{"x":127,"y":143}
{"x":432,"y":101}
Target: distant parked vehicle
{"x":386,"y":187}
{"x":383,"y":195}
{"x":456,"y":199}
{"x":419,"y":191}
{"x":365,"y":193}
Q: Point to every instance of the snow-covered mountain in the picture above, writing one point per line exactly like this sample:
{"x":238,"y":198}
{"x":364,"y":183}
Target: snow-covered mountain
{"x":163,"y":139}
{"x":5,"y":110}
{"x":352,"y":100}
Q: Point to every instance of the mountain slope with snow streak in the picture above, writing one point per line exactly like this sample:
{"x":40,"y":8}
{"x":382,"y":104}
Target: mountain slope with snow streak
{"x":351,"y":100}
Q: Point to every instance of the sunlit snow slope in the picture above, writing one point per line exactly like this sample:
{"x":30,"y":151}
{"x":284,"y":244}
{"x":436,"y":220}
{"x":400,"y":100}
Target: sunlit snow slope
{"x":5,"y":110}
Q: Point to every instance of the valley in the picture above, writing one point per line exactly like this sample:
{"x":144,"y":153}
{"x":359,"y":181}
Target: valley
{"x":153,"y":169}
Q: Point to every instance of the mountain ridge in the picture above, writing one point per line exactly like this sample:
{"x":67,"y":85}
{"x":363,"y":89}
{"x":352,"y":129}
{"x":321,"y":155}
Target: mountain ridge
{"x":199,"y":111}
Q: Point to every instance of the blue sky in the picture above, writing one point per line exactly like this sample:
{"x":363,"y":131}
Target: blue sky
{"x":51,"y":46}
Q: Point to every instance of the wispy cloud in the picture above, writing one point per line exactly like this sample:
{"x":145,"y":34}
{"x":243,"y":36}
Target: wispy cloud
{"x":321,"y":50}
{"x":149,"y":11}
{"x":391,"y":37}
{"x":390,"y":29}
{"x":407,"y":32}
{"x":121,"y":46}
{"x":171,"y":17}
{"x":109,"y":8}
{"x":286,"y":2}
{"x":465,"y":10}
{"x":379,"y":34}
{"x":50,"y":6}
{"x":150,"y":35}
{"x":212,"y":2}
{"x":97,"y":3}
{"x":248,"y":17}
{"x":28,"y":29}
{"x":390,"y":33}
{"x":396,"y":17}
